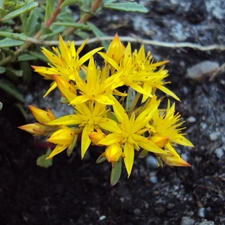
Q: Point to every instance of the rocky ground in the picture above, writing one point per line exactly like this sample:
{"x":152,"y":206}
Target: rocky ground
{"x":75,"y":192}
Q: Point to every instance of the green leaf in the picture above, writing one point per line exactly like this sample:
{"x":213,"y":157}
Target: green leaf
{"x":2,"y":69}
{"x":116,"y":172}
{"x":9,"y":42}
{"x":8,"y":87}
{"x":82,"y":34}
{"x":76,"y":25}
{"x":13,"y":72}
{"x":98,"y":33}
{"x":130,"y":99}
{"x":105,"y":2}
{"x":27,"y":71}
{"x":55,"y":30}
{"x":49,"y":9}
{"x":143,"y":154}
{"x":42,"y":162}
{"x":15,"y":36}
{"x":127,"y":6}
{"x":23,"y":9}
{"x":39,"y":56}
{"x":26,"y":57}
{"x":68,"y":2}
{"x":2,"y":12}
{"x":1,"y":106}
{"x":33,"y":25}
{"x":101,"y":158}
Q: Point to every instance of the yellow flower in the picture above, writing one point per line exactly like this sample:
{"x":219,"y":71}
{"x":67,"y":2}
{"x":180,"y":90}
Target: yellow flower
{"x":87,"y":116}
{"x":128,"y":133}
{"x":138,"y":71}
{"x":63,"y":138}
{"x":168,"y":132}
{"x":95,"y":88}
{"x":168,"y":124}
{"x":65,"y":61}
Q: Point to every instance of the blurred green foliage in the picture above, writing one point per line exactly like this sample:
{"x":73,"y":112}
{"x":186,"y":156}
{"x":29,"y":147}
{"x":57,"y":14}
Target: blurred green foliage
{"x":27,"y":24}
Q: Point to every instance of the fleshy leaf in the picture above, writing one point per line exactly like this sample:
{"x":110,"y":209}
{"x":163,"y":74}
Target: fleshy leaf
{"x":42,"y":162}
{"x":116,"y":173}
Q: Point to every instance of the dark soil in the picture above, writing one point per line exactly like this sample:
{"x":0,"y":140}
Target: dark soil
{"x":77,"y":192}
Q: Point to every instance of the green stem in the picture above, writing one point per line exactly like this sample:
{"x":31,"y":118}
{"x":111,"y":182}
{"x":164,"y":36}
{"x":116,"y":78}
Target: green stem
{"x":36,"y":36}
{"x":135,"y":102}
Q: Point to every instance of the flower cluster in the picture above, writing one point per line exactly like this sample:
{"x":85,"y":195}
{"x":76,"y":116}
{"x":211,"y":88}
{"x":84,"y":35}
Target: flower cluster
{"x":115,"y":107}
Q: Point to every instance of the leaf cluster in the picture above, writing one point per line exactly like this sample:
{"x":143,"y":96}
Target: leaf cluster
{"x":25,"y":24}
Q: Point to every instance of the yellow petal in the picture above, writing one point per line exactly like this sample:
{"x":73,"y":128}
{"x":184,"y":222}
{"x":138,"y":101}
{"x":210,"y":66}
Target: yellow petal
{"x":57,"y":150}
{"x":128,"y":157}
{"x":87,"y":56}
{"x":66,"y":120}
{"x":53,"y":86}
{"x":109,"y":60}
{"x":86,"y":141}
{"x":109,"y":125}
{"x":167,"y":91}
{"x":111,"y":139}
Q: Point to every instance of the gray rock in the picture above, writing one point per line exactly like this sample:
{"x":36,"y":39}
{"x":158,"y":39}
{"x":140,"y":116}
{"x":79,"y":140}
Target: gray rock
{"x":214,"y":136}
{"x":201,"y":70}
{"x":187,"y":221}
{"x":206,"y":223}
{"x":219,"y":153}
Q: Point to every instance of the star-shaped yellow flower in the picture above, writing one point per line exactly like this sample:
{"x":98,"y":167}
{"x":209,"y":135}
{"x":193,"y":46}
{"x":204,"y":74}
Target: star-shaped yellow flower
{"x":65,"y":61}
{"x":128,"y":133}
{"x":87,"y":116}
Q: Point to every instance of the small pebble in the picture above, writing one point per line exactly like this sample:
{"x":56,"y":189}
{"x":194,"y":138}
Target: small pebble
{"x":203,"y":126}
{"x":219,"y":153}
{"x":151,"y":161}
{"x":191,"y":119}
{"x":214,"y":136}
{"x":187,"y":221}
{"x":153,"y":178}
{"x":201,"y":212}
{"x":102,"y":217}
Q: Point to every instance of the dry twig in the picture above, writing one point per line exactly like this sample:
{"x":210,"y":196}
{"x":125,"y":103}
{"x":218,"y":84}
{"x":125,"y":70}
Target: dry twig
{"x":143,"y":41}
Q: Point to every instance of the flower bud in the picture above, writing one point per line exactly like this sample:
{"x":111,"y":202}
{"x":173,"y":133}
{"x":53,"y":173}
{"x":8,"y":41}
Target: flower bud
{"x":113,"y":153}
{"x":42,"y":116}
{"x":63,"y":136}
{"x":174,"y":161}
{"x":37,"y":129}
{"x":116,"y":49}
{"x":159,"y":140}
{"x":96,"y":136}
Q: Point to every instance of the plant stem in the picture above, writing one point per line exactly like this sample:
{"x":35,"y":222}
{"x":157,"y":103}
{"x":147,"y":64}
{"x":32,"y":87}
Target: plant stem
{"x":138,"y":95}
{"x":95,"y":6}
{"x":36,"y":36}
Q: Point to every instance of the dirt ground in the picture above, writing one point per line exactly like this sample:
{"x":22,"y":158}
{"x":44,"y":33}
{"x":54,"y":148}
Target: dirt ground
{"x":75,"y":192}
